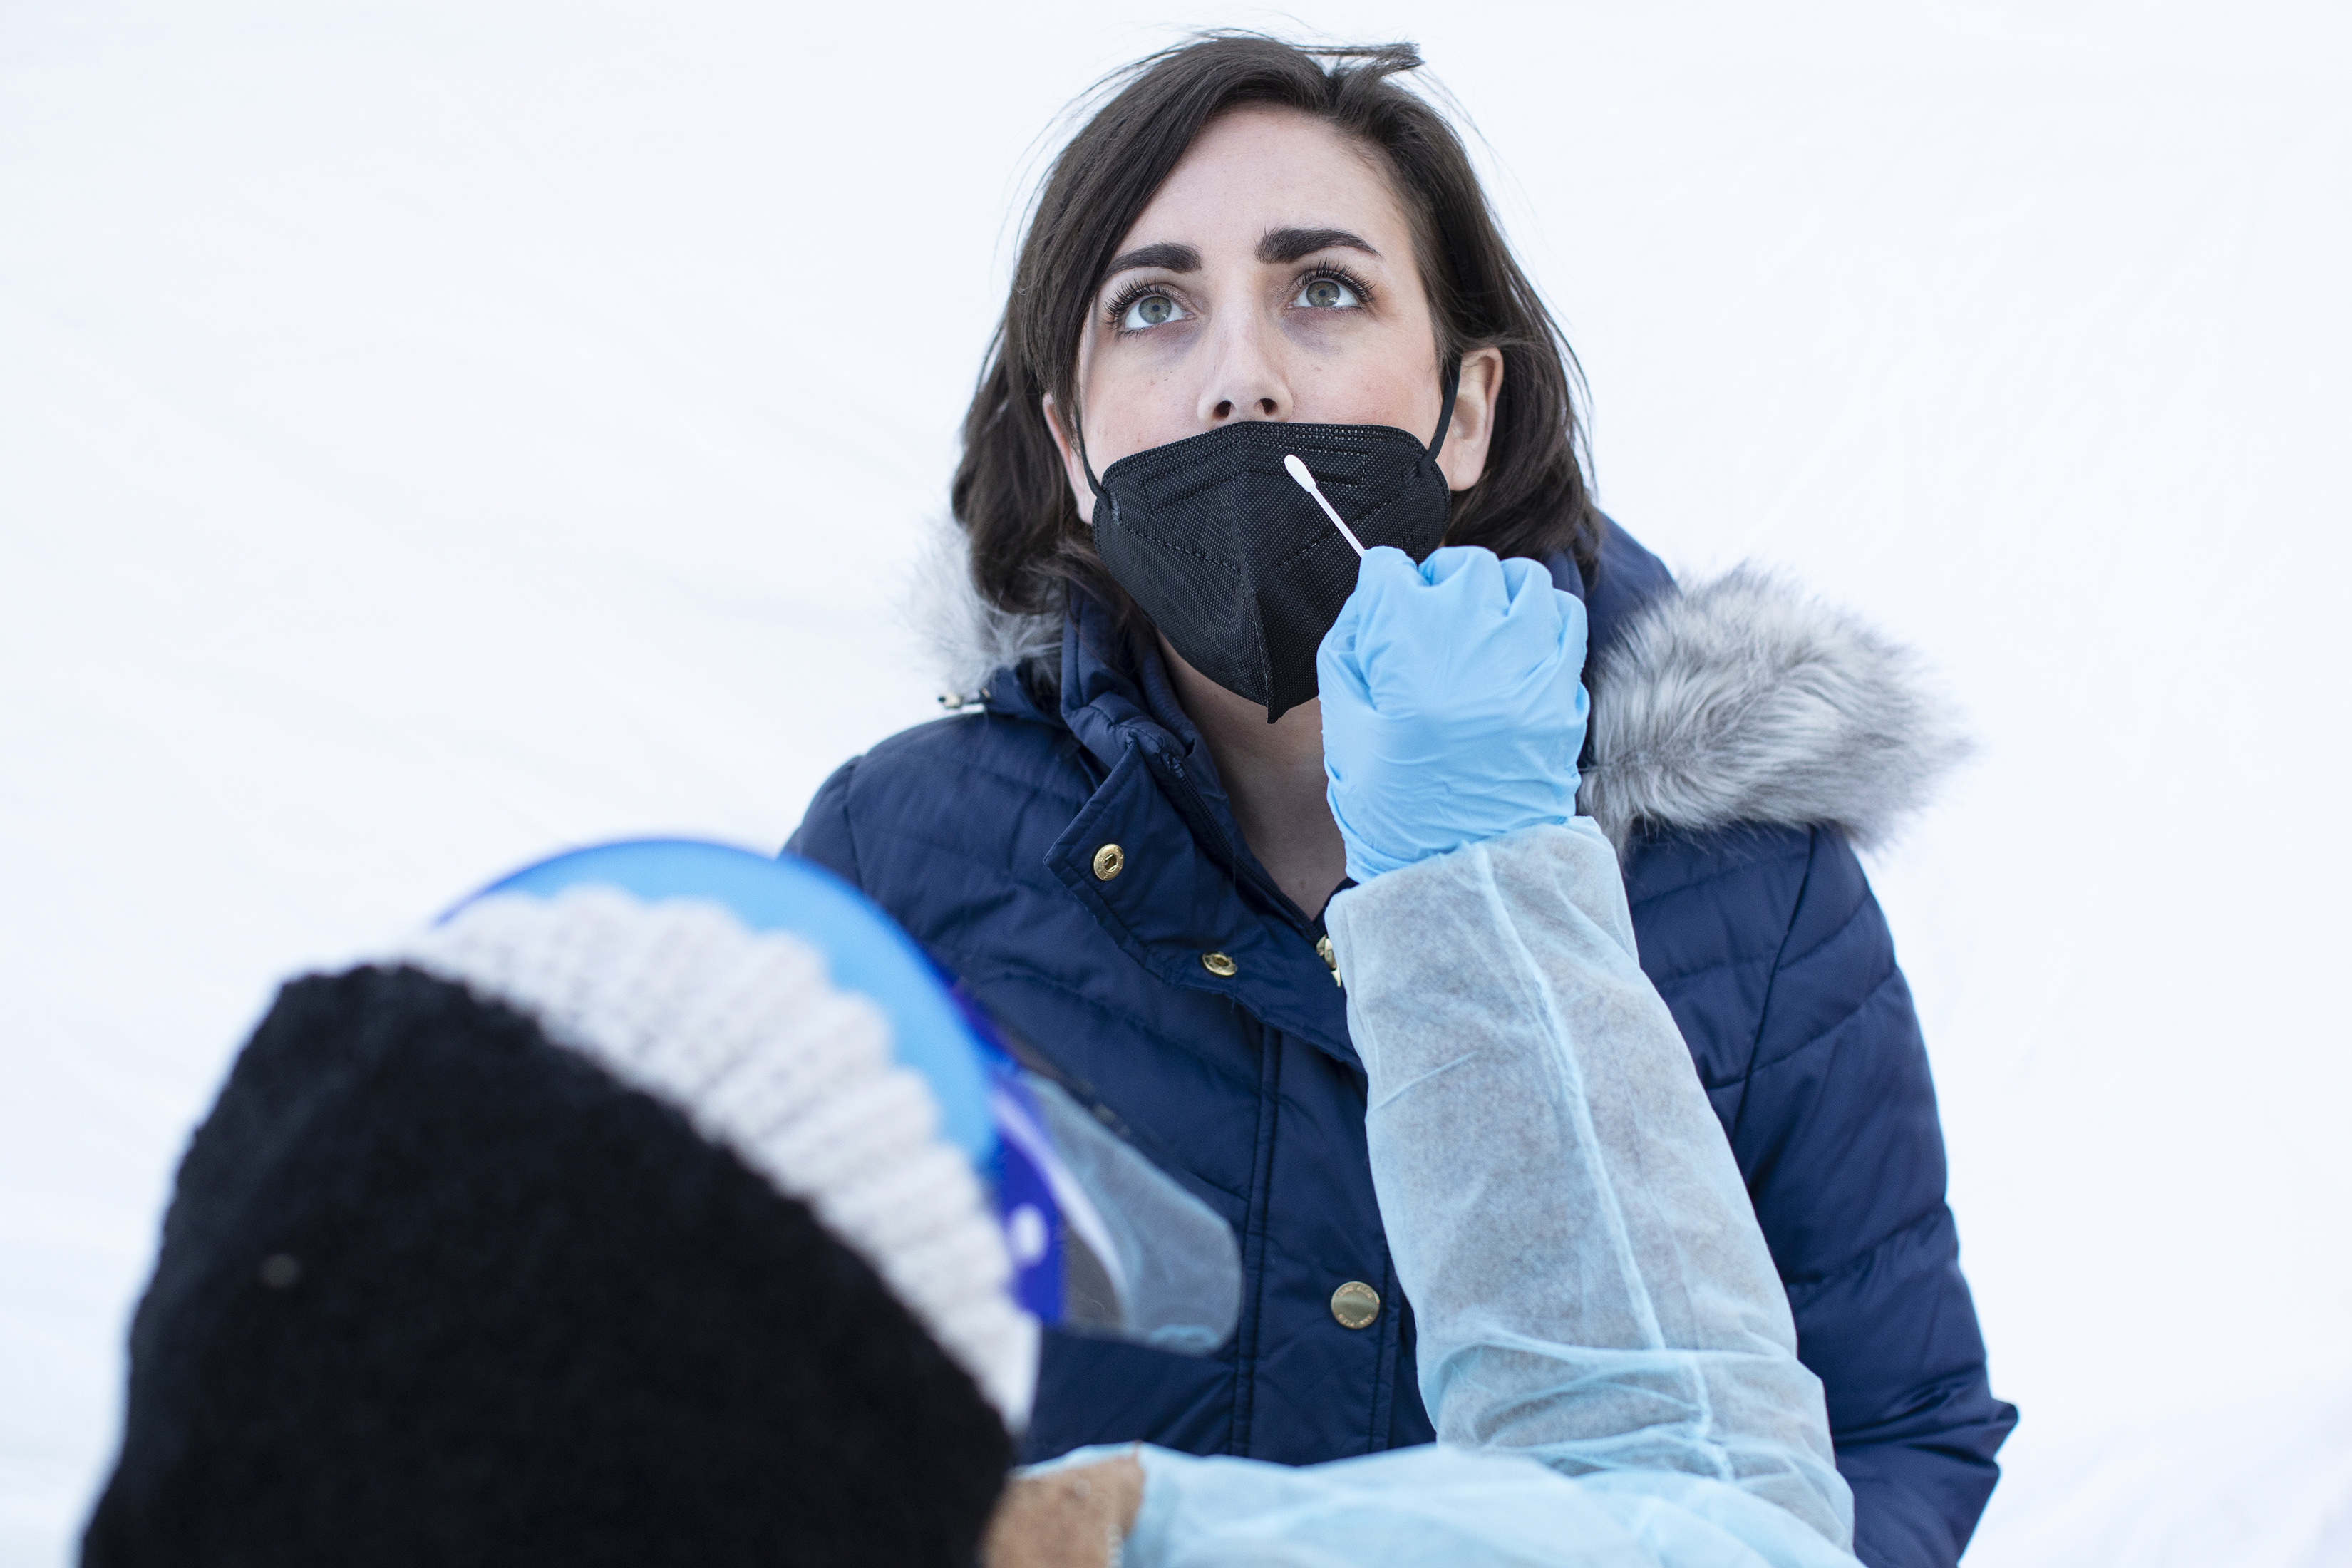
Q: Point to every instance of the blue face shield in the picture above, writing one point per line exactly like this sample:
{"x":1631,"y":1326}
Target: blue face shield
{"x":1103,"y":1241}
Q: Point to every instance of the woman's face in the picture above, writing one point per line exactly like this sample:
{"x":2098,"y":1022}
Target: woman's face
{"x":1271,"y":277}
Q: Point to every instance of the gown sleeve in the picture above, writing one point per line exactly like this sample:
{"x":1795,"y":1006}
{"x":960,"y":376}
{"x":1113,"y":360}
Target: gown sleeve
{"x":1605,"y":1344}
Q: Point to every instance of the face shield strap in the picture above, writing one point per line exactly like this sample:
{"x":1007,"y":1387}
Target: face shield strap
{"x":1450,"y":390}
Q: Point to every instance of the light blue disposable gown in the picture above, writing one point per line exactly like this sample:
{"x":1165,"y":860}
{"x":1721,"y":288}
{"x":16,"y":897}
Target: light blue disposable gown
{"x":1603,"y":1341}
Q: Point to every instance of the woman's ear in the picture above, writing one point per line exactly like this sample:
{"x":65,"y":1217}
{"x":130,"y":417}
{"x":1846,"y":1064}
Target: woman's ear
{"x":1073,"y":470}
{"x":1463,"y":458}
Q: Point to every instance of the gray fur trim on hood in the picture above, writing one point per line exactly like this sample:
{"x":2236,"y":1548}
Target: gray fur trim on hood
{"x":1740,"y":699}
{"x":1744,"y":699}
{"x":969,"y":639}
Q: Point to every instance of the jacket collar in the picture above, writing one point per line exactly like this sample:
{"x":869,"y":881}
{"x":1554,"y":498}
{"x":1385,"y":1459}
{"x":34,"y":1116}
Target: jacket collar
{"x":1185,"y":892}
{"x":1117,"y":697}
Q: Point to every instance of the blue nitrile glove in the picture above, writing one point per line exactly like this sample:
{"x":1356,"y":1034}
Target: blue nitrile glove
{"x":1452,"y":708}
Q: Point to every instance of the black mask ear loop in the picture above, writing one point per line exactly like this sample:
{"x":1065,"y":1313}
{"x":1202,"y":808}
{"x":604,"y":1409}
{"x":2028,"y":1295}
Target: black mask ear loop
{"x":1446,"y":415}
{"x":1078,"y":439}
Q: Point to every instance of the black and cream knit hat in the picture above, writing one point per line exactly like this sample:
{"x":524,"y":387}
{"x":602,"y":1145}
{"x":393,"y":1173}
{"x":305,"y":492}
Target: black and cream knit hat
{"x":645,"y":1209}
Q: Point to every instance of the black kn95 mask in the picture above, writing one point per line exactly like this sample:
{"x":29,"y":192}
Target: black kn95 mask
{"x":1236,"y":564}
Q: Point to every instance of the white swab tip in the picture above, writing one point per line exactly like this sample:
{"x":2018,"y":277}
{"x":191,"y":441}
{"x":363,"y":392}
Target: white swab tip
{"x":1298,"y":470}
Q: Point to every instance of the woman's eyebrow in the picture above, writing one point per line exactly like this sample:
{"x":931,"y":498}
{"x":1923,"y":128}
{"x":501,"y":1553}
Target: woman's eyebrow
{"x":1281,"y":244}
{"x":1166,"y":255}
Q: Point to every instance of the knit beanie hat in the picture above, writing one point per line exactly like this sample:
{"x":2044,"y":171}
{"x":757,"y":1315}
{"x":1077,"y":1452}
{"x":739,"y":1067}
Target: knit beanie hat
{"x":602,"y":1224}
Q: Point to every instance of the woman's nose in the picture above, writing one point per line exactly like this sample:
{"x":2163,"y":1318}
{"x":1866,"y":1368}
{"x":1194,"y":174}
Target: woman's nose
{"x":1242,"y":383}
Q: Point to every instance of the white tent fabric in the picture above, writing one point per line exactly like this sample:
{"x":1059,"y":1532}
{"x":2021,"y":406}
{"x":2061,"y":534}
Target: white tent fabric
{"x":432,"y":434}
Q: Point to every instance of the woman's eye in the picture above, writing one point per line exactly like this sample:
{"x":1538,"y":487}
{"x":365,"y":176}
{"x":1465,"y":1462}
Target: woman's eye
{"x":1327,"y":294}
{"x":1149,"y":310}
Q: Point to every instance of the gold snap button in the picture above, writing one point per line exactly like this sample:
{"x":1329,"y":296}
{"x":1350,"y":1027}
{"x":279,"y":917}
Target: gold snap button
{"x":1218,"y":965}
{"x":1355,"y":1304}
{"x":1110,"y":861}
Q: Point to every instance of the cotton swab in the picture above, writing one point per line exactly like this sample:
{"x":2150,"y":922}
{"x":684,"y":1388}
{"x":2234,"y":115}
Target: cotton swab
{"x":1298,"y":470}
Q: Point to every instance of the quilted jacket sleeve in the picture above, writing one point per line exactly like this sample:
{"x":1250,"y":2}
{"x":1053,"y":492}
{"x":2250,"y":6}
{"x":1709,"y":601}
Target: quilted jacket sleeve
{"x":1836,"y":1133}
{"x":823,"y":833}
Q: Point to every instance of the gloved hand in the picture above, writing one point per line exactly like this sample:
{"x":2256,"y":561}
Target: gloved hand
{"x":1453,"y":710}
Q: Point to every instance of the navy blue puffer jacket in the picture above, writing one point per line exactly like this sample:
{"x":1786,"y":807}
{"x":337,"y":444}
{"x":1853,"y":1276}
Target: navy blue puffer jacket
{"x":1742,"y":739}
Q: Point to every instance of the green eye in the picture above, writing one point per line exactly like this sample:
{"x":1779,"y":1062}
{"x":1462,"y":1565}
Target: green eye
{"x":1149,"y":310}
{"x":1327,"y":294}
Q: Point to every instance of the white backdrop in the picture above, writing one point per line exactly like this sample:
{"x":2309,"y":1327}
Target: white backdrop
{"x":431,"y":435}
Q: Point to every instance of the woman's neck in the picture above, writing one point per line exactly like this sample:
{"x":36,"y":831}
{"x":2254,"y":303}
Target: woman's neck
{"x":1273,"y":773}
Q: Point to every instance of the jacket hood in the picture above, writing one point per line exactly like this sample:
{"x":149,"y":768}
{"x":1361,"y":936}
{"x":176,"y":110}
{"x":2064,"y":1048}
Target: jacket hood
{"x":967,"y":639}
{"x":1739,"y":699}
{"x":1744,"y":699}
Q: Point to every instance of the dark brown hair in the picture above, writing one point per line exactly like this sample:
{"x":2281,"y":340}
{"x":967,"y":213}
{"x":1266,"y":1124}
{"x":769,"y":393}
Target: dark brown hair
{"x":1011,"y":494}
